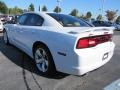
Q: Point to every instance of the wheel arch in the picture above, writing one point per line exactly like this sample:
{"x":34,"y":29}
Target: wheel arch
{"x":41,"y":43}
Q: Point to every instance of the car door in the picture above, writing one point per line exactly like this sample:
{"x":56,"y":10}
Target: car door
{"x":27,"y":32}
{"x":19,"y":30}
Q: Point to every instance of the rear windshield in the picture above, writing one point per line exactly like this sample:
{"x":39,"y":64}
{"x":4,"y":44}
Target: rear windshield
{"x":107,"y":24}
{"x":68,"y":21}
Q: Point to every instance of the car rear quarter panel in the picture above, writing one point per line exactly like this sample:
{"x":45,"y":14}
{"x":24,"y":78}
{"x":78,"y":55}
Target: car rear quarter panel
{"x":58,"y":42}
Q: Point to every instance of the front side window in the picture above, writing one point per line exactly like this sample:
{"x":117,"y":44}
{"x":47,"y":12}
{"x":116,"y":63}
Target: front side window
{"x":21,"y":20}
{"x":34,"y":20}
{"x":68,"y":21}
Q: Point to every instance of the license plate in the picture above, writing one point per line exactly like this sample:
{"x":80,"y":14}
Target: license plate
{"x":105,"y":56}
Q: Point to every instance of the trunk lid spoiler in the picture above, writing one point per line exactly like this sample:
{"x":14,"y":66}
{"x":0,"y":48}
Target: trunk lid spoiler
{"x":90,"y":30}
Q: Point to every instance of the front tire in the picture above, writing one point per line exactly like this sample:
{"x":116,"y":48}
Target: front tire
{"x":44,"y":60}
{"x":5,"y":36}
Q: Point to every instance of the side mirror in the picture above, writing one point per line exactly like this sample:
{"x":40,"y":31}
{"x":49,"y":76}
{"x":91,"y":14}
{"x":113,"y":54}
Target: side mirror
{"x":14,"y":21}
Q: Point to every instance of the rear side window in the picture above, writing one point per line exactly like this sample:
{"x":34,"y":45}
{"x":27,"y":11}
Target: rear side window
{"x":34,"y":20}
{"x":21,"y":20}
{"x":97,"y":23}
{"x":68,"y":21}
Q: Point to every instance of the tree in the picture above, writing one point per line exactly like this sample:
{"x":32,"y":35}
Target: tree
{"x":57,"y":9}
{"x":118,"y":20}
{"x":74,"y":12}
{"x":88,"y":15}
{"x":82,"y":16}
{"x":31,"y":7}
{"x":44,"y":8}
{"x":25,"y":10}
{"x":3,"y":8}
{"x":10,"y":10}
{"x":99,"y":17}
{"x":15,"y":10}
{"x":111,"y":15}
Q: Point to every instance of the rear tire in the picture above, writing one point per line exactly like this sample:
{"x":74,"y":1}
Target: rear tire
{"x":5,"y":36}
{"x":43,"y":60}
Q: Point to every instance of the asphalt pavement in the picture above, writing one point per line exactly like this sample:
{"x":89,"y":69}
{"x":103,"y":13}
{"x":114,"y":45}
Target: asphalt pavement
{"x":18,"y":72}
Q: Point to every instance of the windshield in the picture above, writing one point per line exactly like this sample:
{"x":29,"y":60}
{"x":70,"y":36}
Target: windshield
{"x":68,"y":21}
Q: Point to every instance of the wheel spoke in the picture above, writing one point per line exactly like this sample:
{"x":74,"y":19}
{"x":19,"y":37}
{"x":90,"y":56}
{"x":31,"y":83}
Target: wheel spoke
{"x":38,"y":53}
{"x":44,"y":54}
{"x":43,"y":67}
{"x":46,"y":62}
{"x":38,"y":61}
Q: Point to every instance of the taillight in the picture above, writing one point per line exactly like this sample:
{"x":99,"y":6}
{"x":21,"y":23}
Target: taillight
{"x":93,"y":41}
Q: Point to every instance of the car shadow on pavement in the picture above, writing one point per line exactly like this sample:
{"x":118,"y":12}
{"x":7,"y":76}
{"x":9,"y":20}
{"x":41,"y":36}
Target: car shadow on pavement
{"x":24,"y":61}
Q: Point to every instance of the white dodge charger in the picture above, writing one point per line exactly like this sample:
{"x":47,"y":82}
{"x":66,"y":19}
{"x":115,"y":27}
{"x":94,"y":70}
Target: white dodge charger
{"x":59,"y":42}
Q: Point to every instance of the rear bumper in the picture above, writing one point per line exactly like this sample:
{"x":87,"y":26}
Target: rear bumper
{"x":89,"y":59}
{"x":87,"y":68}
{"x":94,"y":58}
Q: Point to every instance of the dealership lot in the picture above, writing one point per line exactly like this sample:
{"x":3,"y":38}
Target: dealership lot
{"x":18,"y":72}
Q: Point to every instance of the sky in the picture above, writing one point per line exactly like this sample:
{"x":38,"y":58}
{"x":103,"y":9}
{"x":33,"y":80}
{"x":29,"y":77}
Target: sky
{"x":67,"y":5}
